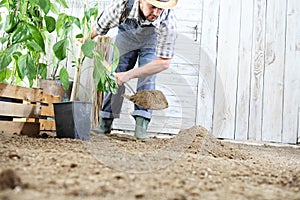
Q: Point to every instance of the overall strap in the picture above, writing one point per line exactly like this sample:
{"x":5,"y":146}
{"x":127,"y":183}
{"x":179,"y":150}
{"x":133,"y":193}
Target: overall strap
{"x":128,"y":8}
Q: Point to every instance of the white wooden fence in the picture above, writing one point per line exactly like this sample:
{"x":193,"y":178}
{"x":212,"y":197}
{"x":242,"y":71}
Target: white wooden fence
{"x":254,"y":46}
{"x":236,"y":70}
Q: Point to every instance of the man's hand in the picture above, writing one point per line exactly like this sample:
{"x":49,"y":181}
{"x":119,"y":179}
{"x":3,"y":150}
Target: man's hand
{"x":122,"y":77}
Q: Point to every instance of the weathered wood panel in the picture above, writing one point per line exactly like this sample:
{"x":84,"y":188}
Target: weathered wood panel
{"x":22,"y":93}
{"x":23,"y":128}
{"x":291,"y":104}
{"x":20,"y":110}
{"x":227,"y":68}
{"x":244,"y":71}
{"x":208,"y":60}
{"x":257,"y":70}
{"x":274,"y":71}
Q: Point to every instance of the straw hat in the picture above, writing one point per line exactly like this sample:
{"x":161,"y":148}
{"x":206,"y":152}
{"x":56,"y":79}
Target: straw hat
{"x":165,"y":4}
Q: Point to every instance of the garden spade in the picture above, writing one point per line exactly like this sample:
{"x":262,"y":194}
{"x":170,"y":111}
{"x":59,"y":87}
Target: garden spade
{"x":147,"y":99}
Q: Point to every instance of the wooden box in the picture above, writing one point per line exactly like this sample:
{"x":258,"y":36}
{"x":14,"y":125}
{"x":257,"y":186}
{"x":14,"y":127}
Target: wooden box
{"x":25,"y":111}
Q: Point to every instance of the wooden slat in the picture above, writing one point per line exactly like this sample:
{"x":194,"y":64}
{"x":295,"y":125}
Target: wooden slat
{"x":23,"y":93}
{"x":47,"y":110}
{"x":24,"y":128}
{"x":291,"y":106}
{"x":48,"y":98}
{"x":257,"y":70}
{"x":20,"y":110}
{"x":208,"y":60}
{"x":158,"y":124}
{"x":243,"y":90}
{"x":274,"y":68}
{"x":227,"y":69}
{"x":45,"y":124}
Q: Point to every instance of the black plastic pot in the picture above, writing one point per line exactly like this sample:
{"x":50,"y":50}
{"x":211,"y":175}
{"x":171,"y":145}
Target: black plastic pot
{"x":73,"y":119}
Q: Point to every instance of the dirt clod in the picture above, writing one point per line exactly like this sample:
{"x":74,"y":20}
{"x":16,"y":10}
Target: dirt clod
{"x":149,"y":99}
{"x":9,"y":179}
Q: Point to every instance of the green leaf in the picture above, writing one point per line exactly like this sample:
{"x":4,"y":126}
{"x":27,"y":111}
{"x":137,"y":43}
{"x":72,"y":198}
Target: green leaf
{"x":60,"y":49}
{"x":10,"y":22}
{"x":64,"y":78}
{"x":2,"y":75}
{"x":88,"y":48}
{"x":16,"y":56}
{"x":101,"y":86}
{"x":5,"y":74}
{"x":63,"y":25}
{"x":26,"y":32}
{"x":12,"y":49}
{"x":111,"y":83}
{"x":33,"y":46}
{"x":76,"y":21}
{"x":42,"y":70}
{"x":26,"y":67}
{"x":116,"y":58}
{"x":91,"y":12}
{"x":37,"y":37}
{"x":63,"y":3}
{"x":21,"y":66}
{"x":4,"y":39}
{"x":21,"y":33}
{"x":50,"y":23}
{"x":3,"y":3}
{"x":43,"y":4}
{"x":99,"y":72}
{"x":31,"y":69}
{"x":5,"y":60}
{"x":79,"y":36}
{"x":54,"y":8}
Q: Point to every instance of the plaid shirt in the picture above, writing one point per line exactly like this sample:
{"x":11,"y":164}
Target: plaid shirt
{"x":165,"y":25}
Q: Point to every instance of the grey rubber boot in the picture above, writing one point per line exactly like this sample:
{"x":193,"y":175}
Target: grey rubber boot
{"x":104,"y":126}
{"x":141,"y":125}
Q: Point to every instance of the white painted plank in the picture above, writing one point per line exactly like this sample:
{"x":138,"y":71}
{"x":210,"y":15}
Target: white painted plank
{"x":208,"y":59}
{"x":227,"y":65}
{"x":298,"y":137}
{"x":158,"y":124}
{"x":292,"y":75}
{"x":274,"y":68}
{"x":243,"y":87}
{"x":257,"y":70}
{"x":177,"y":79}
{"x":181,"y":68}
{"x":186,"y":49}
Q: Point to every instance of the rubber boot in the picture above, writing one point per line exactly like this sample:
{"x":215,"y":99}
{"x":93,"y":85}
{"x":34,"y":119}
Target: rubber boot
{"x":141,"y":125}
{"x":104,"y":126}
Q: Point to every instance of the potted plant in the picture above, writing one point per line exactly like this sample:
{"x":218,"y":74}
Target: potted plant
{"x":73,"y":117}
{"x":26,"y":28}
{"x":59,"y":80}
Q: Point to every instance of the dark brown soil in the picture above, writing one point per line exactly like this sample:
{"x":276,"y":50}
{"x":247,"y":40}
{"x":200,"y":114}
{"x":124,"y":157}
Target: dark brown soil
{"x":192,"y":165}
{"x":149,"y":99}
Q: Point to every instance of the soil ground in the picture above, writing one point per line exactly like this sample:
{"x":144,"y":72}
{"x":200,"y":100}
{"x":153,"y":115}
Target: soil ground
{"x":192,"y":165}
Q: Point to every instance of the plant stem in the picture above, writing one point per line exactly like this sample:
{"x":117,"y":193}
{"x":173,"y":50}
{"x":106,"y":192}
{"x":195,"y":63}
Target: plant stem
{"x":74,"y":94}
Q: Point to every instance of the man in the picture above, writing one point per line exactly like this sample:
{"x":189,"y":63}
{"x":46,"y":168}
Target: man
{"x":147,"y":34}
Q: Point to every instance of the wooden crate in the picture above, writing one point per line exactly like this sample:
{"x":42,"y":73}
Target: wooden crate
{"x":25,"y":111}
{"x":47,"y":122}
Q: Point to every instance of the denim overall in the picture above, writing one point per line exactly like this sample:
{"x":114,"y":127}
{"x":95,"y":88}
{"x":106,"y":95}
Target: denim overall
{"x":135,"y":43}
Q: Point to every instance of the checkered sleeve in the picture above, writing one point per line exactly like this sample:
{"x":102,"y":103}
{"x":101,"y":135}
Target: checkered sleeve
{"x":110,"y":17}
{"x":167,"y":34}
